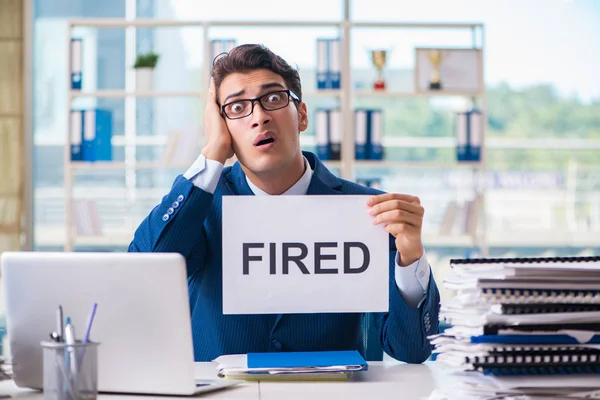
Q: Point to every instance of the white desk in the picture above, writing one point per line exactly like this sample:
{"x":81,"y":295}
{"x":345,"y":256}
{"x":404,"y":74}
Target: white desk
{"x":383,"y":380}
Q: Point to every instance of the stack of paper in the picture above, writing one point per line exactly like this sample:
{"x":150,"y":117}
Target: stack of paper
{"x":291,"y":365}
{"x":512,"y":317}
{"x":482,"y":387}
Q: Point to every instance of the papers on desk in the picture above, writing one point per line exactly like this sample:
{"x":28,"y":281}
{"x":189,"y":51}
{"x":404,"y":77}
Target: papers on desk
{"x":514,"y":321}
{"x":291,"y":365}
{"x":542,"y":387}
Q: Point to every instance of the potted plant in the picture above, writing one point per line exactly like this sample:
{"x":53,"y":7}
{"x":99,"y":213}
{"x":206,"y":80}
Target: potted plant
{"x":144,"y":70}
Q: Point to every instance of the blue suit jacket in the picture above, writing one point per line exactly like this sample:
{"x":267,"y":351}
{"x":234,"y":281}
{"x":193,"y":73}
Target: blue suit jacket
{"x":193,"y":229}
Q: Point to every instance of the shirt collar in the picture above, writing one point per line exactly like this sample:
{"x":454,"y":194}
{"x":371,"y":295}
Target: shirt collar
{"x":298,"y":188}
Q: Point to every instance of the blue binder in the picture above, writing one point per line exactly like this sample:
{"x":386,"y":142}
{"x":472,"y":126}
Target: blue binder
{"x":345,"y":358}
{"x":335,"y":70}
{"x":97,"y":135}
{"x":76,"y":63}
{"x":322,"y":63}
{"x":374,"y":134}
{"x":558,"y":339}
{"x":322,"y":133}
{"x":474,"y":134}
{"x":361,"y":135}
{"x":329,"y":63}
{"x":76,"y":135}
{"x":462,"y":136}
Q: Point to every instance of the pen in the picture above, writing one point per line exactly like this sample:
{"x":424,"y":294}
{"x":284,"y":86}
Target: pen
{"x":88,"y":328}
{"x":70,"y":339}
{"x":59,"y":323}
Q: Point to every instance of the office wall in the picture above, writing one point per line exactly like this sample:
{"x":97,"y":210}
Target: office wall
{"x":11,"y":123}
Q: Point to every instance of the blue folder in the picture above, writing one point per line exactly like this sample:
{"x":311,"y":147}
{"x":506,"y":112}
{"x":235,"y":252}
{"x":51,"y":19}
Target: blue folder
{"x":532,"y":340}
{"x":307,"y":359}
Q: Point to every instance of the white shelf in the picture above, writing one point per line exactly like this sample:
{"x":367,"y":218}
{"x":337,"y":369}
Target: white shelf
{"x":180,"y":93}
{"x":423,"y":25}
{"x":414,"y":164}
{"x":431,"y":93}
{"x":418,"y":142}
{"x":332,"y":164}
{"x":123,"y":93}
{"x":107,"y":241}
{"x":554,"y":238}
{"x":388,"y":141}
{"x":322,"y":93}
{"x":157,"y":23}
{"x":432,"y":239}
{"x":83,"y":165}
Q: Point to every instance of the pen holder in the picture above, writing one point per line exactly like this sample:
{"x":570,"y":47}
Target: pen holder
{"x":70,"y":370}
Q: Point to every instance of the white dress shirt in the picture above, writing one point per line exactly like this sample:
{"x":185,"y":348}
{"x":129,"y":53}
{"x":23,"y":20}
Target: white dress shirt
{"x":412,"y":280}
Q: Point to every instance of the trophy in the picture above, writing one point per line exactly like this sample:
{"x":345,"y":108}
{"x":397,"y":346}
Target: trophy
{"x":379,"y":58}
{"x":435,"y":58}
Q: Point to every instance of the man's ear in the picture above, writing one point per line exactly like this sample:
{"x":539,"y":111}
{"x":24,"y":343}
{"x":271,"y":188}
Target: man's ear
{"x":302,"y":117}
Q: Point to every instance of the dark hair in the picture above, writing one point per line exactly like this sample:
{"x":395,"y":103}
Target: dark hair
{"x":249,"y":57}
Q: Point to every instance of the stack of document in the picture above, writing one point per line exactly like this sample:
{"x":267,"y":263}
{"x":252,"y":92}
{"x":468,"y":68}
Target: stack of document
{"x":329,"y":365}
{"x":524,"y":316}
{"x":484,"y":387}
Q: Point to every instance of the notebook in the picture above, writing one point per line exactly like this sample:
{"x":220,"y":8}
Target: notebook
{"x":550,"y":263}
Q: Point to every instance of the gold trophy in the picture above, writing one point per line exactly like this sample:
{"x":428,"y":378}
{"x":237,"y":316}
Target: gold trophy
{"x":435,"y":58}
{"x":379,"y":58}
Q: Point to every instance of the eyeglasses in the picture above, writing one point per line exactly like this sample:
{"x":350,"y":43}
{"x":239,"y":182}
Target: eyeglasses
{"x":270,"y":102}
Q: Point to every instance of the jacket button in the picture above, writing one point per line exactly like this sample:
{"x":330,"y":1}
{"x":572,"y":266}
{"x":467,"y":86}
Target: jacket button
{"x":170,"y":211}
{"x":180,"y":198}
{"x":277,"y":344}
{"x":175,"y":204}
{"x":165,"y":218}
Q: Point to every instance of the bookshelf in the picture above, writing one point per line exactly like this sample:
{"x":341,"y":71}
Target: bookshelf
{"x":347,"y":166}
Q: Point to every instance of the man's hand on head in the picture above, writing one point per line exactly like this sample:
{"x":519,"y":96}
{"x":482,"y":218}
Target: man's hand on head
{"x":219,"y":145}
{"x":403,"y":218}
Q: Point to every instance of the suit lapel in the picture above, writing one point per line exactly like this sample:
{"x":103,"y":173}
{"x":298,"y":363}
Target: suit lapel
{"x":323,"y":182}
{"x":236,"y":181}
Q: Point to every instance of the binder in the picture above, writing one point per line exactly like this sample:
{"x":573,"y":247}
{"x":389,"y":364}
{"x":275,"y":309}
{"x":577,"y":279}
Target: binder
{"x":329,"y":53}
{"x":513,"y":309}
{"x":519,"y":296}
{"x":462,"y":153}
{"x":97,"y":135}
{"x":322,"y":63}
{"x":335,"y":134}
{"x":475,"y":135}
{"x":515,"y":339}
{"x":343,"y":360}
{"x":374,"y":134}
{"x":319,"y":365}
{"x":76,"y":135}
{"x":529,"y":261}
{"x":76,"y":62}
{"x":217,"y":47}
{"x":360,"y":134}
{"x":335,"y":54}
{"x":321,"y":133}
{"x":538,"y":360}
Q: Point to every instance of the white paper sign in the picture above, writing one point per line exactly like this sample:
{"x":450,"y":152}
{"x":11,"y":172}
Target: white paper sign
{"x":328,"y":255}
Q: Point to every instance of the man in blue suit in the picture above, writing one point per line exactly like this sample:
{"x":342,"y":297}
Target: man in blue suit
{"x":255,"y":111}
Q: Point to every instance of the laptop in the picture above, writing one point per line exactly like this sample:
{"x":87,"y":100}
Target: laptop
{"x":142,"y":320}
